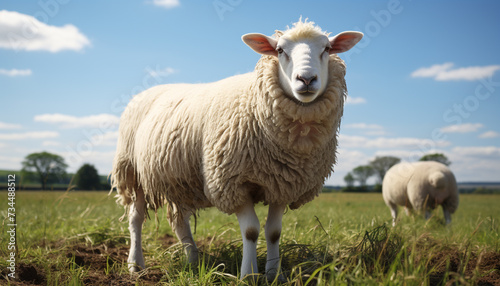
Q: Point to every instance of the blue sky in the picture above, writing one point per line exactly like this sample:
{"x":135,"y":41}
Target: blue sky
{"x":425,"y":78}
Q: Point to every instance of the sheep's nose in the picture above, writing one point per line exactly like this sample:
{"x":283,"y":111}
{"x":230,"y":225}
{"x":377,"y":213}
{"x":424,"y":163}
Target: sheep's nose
{"x":307,"y":80}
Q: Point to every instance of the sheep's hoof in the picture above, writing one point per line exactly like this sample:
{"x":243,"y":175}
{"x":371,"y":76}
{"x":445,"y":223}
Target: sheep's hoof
{"x":252,"y":278}
{"x":192,"y":256}
{"x":134,"y":268}
{"x":271,"y":277}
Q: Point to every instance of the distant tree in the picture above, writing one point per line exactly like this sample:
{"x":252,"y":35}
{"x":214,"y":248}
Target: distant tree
{"x":438,"y":157}
{"x":362,"y":173}
{"x":46,"y":166}
{"x":87,"y":178}
{"x":349,"y":179}
{"x":380,"y":165}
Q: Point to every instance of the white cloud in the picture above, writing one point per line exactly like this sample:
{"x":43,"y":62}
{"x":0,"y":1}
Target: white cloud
{"x":363,"y":126}
{"x":15,"y":72}
{"x":475,"y":163}
{"x":29,"y":135}
{"x":368,"y":129}
{"x":104,"y":121}
{"x":445,"y":72}
{"x":405,"y":155}
{"x":349,"y":159}
{"x":489,"y":134}
{"x":10,"y":163}
{"x":102,"y":160}
{"x":161,"y":72}
{"x":409,"y":155}
{"x":479,"y":151}
{"x":355,"y":100}
{"x":51,"y":143}
{"x":106,"y":139}
{"x":462,"y":128}
{"x":432,"y":71}
{"x":4,"y":125}
{"x":348,"y":141}
{"x":24,"y":32}
{"x":168,"y":4}
{"x":378,"y":132}
{"x":405,"y":142}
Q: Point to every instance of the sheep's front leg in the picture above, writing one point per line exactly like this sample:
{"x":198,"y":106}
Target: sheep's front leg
{"x":273,"y":233}
{"x":447,"y":215}
{"x":136,"y":219}
{"x":250,"y":227}
{"x":182,"y":230}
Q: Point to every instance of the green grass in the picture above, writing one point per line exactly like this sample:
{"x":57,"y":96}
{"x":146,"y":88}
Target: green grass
{"x":75,"y":238}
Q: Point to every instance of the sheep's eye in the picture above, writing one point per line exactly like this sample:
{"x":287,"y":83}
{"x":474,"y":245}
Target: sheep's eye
{"x":279,"y":50}
{"x":327,"y":49}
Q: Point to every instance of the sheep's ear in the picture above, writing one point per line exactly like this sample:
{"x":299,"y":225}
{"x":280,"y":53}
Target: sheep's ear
{"x":260,"y":43}
{"x":344,"y":41}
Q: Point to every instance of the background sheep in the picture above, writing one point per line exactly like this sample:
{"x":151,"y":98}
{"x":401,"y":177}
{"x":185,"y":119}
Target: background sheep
{"x":420,"y":186}
{"x":266,"y":136}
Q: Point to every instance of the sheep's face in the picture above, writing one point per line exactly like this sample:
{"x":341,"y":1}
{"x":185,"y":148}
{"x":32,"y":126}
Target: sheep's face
{"x":303,"y":71}
{"x":303,"y":61}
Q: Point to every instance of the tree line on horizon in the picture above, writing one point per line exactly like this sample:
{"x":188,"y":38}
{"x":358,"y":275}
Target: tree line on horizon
{"x":49,"y":169}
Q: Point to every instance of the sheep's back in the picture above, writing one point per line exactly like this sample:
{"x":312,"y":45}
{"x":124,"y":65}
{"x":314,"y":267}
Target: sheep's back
{"x":419,"y":183}
{"x":435,"y":180}
{"x":164,"y":128}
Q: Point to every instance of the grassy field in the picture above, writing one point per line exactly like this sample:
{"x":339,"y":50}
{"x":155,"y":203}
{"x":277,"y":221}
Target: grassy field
{"x":75,"y":238}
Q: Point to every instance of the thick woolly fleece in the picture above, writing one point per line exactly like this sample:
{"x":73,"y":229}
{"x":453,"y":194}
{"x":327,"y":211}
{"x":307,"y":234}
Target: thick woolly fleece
{"x":421,"y":185}
{"x":192,"y":146}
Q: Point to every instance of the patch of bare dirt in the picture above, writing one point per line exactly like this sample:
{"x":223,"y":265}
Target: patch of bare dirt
{"x":96,"y":260}
{"x":98,"y":278}
{"x":484,"y":267}
{"x":27,"y":275}
{"x":97,"y":257}
{"x":101,"y":257}
{"x":167,"y":240}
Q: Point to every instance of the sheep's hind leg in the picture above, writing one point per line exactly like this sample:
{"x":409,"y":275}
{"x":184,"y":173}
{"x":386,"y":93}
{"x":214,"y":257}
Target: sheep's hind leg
{"x":273,"y":233}
{"x":408,"y":210}
{"x":394,"y":212}
{"x":250,"y":227}
{"x":136,"y":219}
{"x":182,"y":230}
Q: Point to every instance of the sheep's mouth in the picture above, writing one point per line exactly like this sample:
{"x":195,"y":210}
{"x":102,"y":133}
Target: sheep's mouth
{"x":305,"y":104}
{"x":307,"y":93}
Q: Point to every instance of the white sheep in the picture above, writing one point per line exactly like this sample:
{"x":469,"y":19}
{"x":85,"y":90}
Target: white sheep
{"x":267,"y":136}
{"x":421,"y":186}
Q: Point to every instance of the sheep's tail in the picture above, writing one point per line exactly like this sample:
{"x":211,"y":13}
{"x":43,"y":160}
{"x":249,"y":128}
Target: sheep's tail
{"x":123,"y":180}
{"x":438,"y":180}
